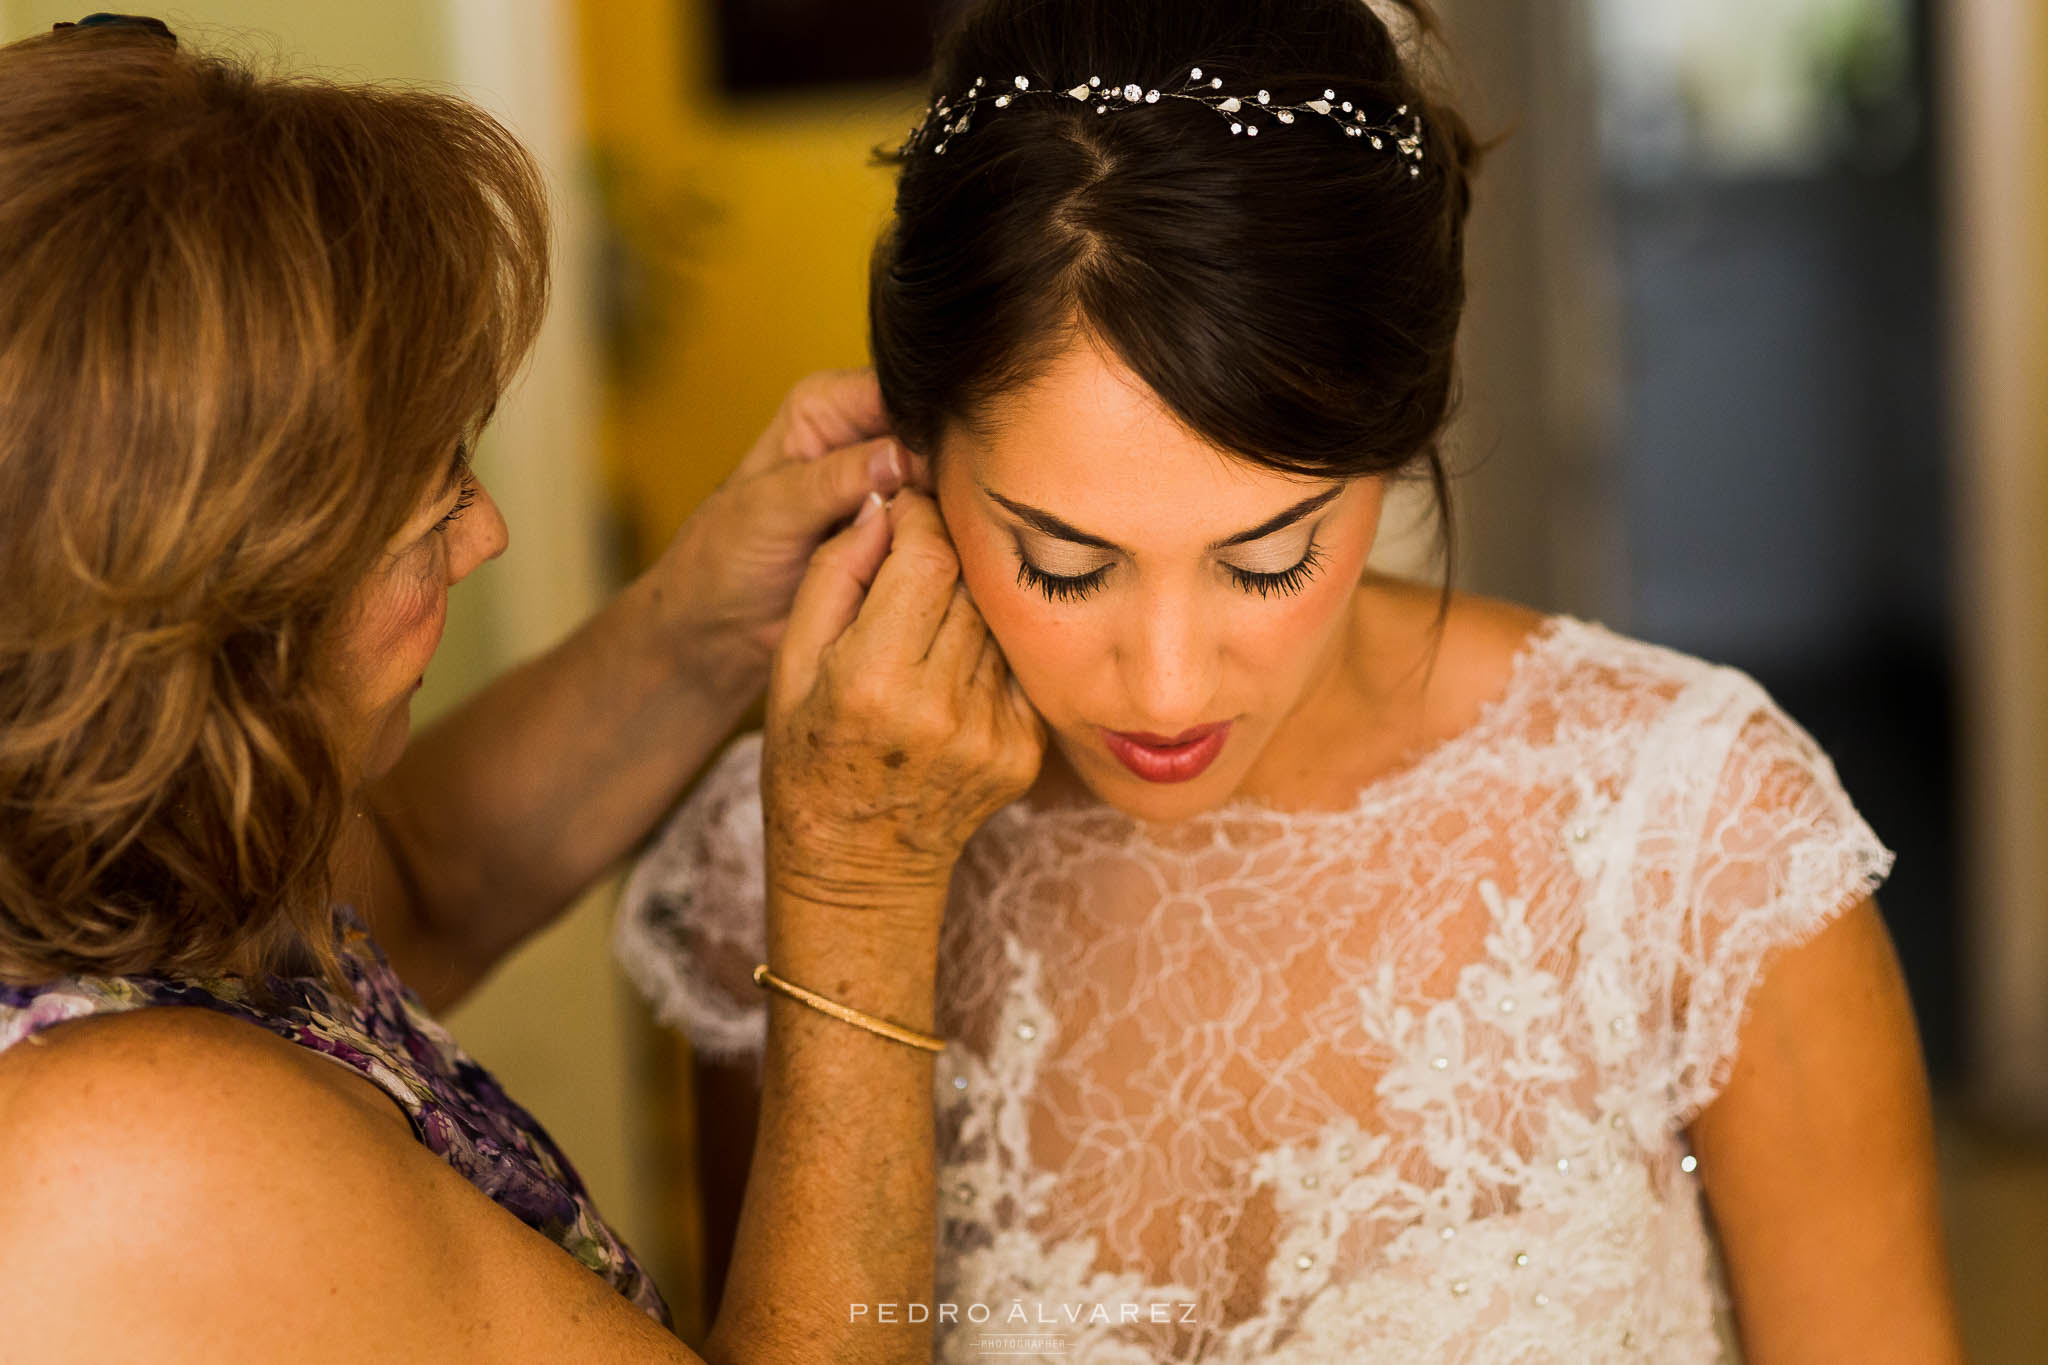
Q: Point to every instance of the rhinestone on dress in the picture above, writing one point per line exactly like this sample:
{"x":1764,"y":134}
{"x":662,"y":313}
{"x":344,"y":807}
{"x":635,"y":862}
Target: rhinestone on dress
{"x":1304,"y":1262}
{"x":1460,"y":1288}
{"x":1439,"y":1063}
{"x":1309,"y":1181}
{"x":1521,"y":1258}
{"x":1690,"y":1164}
{"x":959,"y":1082}
{"x":1027,"y":1031}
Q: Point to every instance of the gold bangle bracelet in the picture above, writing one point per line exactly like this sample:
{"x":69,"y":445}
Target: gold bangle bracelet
{"x":846,"y":1014}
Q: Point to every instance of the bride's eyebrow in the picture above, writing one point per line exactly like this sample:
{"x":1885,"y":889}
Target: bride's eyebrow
{"x":1042,"y":520}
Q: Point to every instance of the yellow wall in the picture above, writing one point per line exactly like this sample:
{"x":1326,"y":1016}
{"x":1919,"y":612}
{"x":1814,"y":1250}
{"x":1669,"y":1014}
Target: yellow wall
{"x":748,"y":225}
{"x":756,"y":217}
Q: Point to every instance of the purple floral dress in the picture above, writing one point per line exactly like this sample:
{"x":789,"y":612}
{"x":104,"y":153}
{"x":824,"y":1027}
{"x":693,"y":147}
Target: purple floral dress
{"x":455,"y":1106}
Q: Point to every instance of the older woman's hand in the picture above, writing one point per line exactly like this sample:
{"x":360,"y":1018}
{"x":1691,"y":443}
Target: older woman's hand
{"x":894,"y":728}
{"x":732,"y":571}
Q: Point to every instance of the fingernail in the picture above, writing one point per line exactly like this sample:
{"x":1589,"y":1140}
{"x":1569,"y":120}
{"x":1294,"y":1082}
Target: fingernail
{"x":869,"y":507}
{"x":885,"y":466}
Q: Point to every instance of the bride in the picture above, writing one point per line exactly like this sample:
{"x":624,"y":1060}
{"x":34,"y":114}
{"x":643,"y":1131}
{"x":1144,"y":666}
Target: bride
{"x":1372,"y":973}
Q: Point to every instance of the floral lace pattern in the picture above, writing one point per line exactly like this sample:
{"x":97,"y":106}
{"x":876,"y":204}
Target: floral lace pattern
{"x":456,"y":1107}
{"x":1406,"y":1081}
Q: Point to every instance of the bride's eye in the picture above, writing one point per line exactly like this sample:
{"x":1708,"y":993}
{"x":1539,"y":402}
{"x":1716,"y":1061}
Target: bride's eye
{"x":1285,"y":583}
{"x":1059,"y":587}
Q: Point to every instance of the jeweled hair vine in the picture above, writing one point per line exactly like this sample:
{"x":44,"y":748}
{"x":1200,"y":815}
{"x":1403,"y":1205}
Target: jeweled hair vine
{"x":949,"y":117}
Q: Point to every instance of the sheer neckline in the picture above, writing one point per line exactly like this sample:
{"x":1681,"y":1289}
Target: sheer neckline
{"x":1376,"y":793}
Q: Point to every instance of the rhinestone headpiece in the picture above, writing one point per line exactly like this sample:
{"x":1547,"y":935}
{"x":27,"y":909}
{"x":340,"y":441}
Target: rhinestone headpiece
{"x":949,"y":117}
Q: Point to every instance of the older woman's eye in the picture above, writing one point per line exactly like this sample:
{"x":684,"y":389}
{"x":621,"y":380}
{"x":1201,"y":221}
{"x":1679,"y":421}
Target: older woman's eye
{"x":1059,"y":587}
{"x":464,"y":500}
{"x":1285,"y":583}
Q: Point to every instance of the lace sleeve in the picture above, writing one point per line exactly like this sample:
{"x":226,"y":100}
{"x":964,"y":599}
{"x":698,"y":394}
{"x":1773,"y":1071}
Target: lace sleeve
{"x":691,"y":923}
{"x":1782,"y":854}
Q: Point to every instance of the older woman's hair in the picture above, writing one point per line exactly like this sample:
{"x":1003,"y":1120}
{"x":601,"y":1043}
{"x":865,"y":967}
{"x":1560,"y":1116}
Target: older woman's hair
{"x":245,"y":322}
{"x":1293,"y":297}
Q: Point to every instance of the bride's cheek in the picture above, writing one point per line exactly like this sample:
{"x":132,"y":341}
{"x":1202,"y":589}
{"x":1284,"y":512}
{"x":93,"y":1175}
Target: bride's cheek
{"x":1021,"y":620}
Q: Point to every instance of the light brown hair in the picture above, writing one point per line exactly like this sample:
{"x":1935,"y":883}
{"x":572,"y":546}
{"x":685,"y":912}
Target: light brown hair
{"x":244,"y":321}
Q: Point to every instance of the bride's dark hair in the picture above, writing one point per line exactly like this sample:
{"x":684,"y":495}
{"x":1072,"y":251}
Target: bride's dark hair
{"x":1293,"y":299}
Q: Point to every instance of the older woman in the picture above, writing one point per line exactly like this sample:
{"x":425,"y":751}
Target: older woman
{"x":249,"y":328}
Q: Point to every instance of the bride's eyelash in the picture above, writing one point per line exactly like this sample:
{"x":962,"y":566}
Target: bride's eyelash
{"x":1285,"y":583}
{"x":1065,"y":588}
{"x":1058,"y":587}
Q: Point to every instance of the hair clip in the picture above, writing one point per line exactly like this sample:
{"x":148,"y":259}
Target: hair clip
{"x":103,"y":19}
{"x":947,"y":118}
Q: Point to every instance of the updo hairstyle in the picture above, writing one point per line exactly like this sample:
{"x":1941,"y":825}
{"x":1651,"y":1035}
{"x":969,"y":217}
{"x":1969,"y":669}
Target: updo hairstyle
{"x":1292,"y":298}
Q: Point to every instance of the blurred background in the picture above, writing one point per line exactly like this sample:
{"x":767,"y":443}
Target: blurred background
{"x":1755,"y":368}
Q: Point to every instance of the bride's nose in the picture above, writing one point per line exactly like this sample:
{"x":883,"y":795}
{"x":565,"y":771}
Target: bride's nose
{"x":1169,"y":663}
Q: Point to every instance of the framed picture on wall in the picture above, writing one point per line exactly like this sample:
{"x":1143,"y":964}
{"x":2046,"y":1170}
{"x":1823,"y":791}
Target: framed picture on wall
{"x":785,"y":46}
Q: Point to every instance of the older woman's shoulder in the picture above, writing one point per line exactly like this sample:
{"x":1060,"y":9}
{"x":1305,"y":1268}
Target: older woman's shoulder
{"x":178,"y":1185}
{"x":180,"y":1068}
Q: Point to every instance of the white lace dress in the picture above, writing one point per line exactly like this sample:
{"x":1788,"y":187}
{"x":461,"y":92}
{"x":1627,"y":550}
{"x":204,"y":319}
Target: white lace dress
{"x":1406,"y":1081}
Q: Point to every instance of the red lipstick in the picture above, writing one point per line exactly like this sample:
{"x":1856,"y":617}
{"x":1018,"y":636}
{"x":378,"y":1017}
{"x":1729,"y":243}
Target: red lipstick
{"x":1159,"y":758}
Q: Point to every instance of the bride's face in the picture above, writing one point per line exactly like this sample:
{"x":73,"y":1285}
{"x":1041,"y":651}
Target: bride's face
{"x":1165,"y":606}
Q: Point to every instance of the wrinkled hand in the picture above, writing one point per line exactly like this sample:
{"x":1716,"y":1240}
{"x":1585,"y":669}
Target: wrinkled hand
{"x":894,"y":728}
{"x":733,"y":569}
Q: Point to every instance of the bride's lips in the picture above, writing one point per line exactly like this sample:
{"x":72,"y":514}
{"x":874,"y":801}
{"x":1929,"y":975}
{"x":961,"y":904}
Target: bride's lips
{"x":1160,"y":758}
